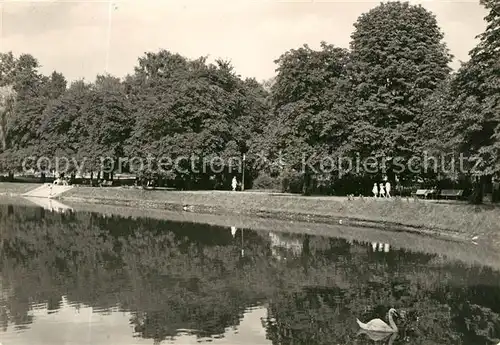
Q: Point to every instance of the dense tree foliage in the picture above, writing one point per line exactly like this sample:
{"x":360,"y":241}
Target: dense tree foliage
{"x":394,"y":104}
{"x":332,"y":120}
{"x":463,"y":116}
{"x":308,"y":123}
{"x":170,"y":107}
{"x":398,"y":60}
{"x":192,"y":112}
{"x":477,"y":94}
{"x":32,"y":94}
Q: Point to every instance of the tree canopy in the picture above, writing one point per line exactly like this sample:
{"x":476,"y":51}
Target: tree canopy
{"x":332,"y":120}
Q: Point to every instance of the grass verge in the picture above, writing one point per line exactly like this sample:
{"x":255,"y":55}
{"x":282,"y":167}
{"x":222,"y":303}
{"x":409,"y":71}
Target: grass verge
{"x":8,"y":188}
{"x":452,"y":220}
{"x":482,"y":254}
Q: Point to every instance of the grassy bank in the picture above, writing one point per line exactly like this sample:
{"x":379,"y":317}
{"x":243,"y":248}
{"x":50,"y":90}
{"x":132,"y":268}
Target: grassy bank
{"x":485,"y":253}
{"x":452,"y":220}
{"x":456,"y":220}
{"x":8,"y":188}
{"x":467,"y":252}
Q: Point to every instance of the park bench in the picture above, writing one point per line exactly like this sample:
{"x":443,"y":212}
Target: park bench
{"x":451,"y":193}
{"x":423,"y":193}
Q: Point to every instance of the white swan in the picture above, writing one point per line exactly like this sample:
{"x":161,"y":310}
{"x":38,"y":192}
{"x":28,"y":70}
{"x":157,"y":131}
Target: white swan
{"x":379,"y":326}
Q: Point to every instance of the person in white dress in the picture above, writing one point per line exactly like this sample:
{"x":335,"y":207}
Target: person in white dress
{"x":375,"y":190}
{"x":234,"y":183}
{"x":382,"y":191}
{"x":388,"y":188}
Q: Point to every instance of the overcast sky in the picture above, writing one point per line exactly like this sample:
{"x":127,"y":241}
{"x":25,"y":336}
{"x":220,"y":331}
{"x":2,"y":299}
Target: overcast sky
{"x":72,"y":37}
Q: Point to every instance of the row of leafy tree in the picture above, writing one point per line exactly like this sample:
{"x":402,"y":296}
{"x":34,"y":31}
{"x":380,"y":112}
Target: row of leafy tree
{"x":170,"y":106}
{"x":391,"y":97}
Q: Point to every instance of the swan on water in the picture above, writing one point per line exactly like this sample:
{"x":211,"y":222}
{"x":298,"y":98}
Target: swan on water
{"x":377,"y":325}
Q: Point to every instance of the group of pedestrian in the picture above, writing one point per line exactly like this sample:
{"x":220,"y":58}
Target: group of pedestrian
{"x":382,"y":190}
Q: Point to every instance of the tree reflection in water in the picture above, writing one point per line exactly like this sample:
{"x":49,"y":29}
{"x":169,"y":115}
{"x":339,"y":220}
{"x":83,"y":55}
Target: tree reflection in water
{"x":192,"y":278}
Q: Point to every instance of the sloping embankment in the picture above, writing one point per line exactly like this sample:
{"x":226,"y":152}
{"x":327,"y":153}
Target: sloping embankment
{"x":47,"y":190}
{"x":14,"y":189}
{"x":483,"y":253}
{"x":458,"y":221}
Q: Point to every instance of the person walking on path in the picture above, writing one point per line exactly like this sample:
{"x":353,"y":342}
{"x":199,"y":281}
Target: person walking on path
{"x":234,"y":183}
{"x":375,"y":190}
{"x":388,"y":188}
{"x":382,"y":192}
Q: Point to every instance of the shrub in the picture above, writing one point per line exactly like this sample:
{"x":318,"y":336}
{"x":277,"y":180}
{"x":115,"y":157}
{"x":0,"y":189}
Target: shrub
{"x":291,"y":182}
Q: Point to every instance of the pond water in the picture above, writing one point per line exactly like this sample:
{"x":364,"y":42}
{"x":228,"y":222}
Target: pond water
{"x":84,"y":278}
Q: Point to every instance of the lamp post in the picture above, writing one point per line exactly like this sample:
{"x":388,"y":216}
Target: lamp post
{"x":243,"y":175}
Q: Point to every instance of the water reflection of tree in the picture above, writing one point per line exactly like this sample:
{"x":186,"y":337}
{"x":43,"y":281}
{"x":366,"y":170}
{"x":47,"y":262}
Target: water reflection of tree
{"x":175,"y":275}
{"x":326,"y":316}
{"x":185,"y":276}
{"x":475,"y":311}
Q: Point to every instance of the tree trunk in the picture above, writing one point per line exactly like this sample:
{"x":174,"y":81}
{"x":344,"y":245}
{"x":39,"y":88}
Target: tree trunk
{"x":495,"y":197}
{"x":2,"y":135}
{"x":477,"y":192}
{"x":306,"y":186}
{"x":495,"y":193}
